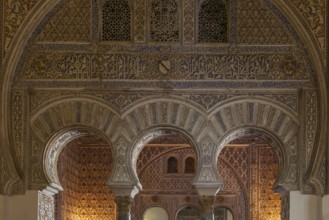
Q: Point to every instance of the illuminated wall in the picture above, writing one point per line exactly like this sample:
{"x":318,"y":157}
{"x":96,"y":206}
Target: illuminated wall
{"x":84,"y":173}
{"x":248,"y":171}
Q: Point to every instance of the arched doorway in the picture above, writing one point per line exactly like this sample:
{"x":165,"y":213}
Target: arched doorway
{"x":78,"y":163}
{"x":249,"y":168}
{"x":166,"y":168}
{"x":84,"y":167}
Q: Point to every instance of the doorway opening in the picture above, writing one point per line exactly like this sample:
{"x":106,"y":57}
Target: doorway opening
{"x":84,"y":167}
{"x":249,"y":168}
{"x":166,"y":168}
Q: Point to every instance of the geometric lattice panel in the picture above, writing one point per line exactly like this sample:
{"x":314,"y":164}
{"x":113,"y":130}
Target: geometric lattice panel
{"x":248,"y":172}
{"x":213,"y":21}
{"x":116,"y":20}
{"x":154,"y":176}
{"x":164,"y":20}
{"x":84,"y":174}
{"x":70,"y":24}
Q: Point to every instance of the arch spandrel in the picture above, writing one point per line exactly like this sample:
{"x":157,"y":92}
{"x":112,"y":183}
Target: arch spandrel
{"x":55,"y":125}
{"x":251,"y":112}
{"x":74,"y":111}
{"x":288,"y":176}
{"x":157,"y":111}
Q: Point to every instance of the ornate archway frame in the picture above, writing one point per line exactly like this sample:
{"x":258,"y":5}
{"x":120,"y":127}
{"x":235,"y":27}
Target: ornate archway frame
{"x":40,"y":11}
{"x":274,"y":123}
{"x":53,"y":149}
{"x":56,"y":124}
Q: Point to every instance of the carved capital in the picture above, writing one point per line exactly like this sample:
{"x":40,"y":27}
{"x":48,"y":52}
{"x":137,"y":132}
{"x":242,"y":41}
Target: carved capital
{"x":206,"y":203}
{"x":123,"y":203}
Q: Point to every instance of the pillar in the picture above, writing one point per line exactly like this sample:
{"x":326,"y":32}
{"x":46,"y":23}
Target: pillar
{"x":325,"y":207}
{"x":305,"y":207}
{"x":123,"y":207}
{"x":124,"y":195}
{"x":207,"y":207}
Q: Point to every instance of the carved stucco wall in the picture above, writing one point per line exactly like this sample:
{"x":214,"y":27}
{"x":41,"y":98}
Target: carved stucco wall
{"x":279,"y":70}
{"x":312,"y":11}
{"x":84,"y":168}
{"x":249,"y":167}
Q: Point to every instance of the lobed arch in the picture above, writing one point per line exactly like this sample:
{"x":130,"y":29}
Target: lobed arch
{"x":36,"y":110}
{"x":269,"y":121}
{"x":151,"y":134}
{"x":173,"y":99}
{"x":74,"y":111}
{"x":64,"y":120}
{"x":255,"y":99}
{"x":42,"y":9}
{"x":54,"y":147}
{"x":254,"y":112}
{"x":156,"y":111}
{"x":287,"y":175}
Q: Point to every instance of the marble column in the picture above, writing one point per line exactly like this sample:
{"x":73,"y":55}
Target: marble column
{"x":123,"y":207}
{"x":207,"y":207}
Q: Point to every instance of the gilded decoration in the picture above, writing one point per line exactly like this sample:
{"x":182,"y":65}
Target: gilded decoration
{"x":15,"y":11}
{"x":70,"y":24}
{"x":314,"y":12}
